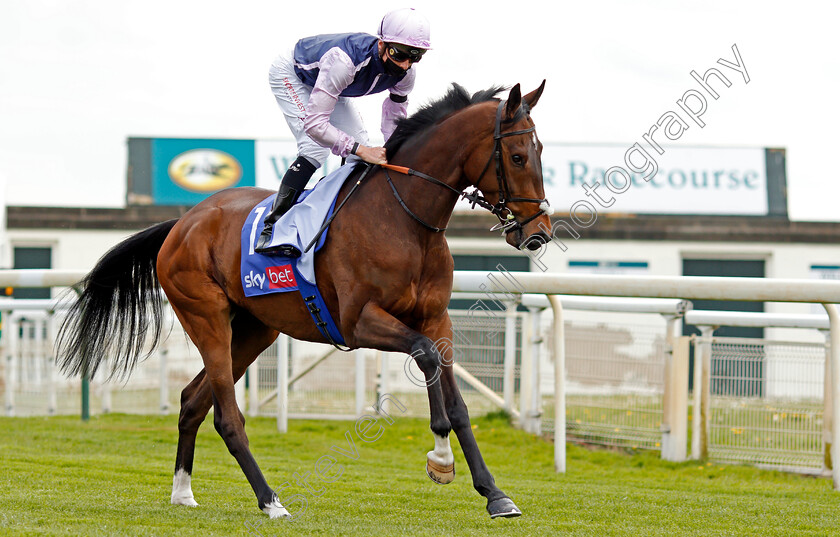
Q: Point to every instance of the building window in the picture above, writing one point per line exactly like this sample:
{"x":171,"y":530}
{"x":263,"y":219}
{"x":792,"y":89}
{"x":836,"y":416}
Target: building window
{"x":490,"y":264}
{"x":32,"y":258}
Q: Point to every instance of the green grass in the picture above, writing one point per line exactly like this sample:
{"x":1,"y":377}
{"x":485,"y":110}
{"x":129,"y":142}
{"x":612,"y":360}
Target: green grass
{"x":112,"y":476}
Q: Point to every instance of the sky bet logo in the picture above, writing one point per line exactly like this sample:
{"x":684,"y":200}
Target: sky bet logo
{"x":281,"y":277}
{"x":254,"y":280}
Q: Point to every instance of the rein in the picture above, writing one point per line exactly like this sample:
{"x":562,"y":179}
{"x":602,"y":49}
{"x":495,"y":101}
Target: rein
{"x":507,"y":220}
{"x":409,"y":171}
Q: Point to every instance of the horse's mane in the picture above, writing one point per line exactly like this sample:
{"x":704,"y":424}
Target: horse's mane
{"x":457,"y":98}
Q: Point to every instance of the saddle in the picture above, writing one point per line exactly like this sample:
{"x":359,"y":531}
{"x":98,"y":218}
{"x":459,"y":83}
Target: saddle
{"x":273,"y":273}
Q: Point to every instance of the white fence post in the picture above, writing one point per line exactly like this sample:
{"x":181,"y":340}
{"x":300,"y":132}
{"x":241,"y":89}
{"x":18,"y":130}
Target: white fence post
{"x":384,"y":381}
{"x":828,"y":404}
{"x":702,"y":393}
{"x":37,"y":355}
{"x":697,"y":401}
{"x":360,"y":381}
{"x":834,"y":319}
{"x":282,"y":343}
{"x":679,"y":400}
{"x":525,"y":370}
{"x":667,"y":406}
{"x":254,"y":388}
{"x":510,"y":354}
{"x":9,"y":347}
{"x":164,"y":381}
{"x":559,"y":385}
{"x":675,"y":403}
{"x":106,"y":386}
{"x":52,"y":398}
{"x":534,"y":408}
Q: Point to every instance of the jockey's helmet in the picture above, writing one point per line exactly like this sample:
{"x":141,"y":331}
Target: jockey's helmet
{"x":406,"y":27}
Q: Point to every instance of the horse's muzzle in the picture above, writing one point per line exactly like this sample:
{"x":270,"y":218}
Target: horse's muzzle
{"x":535,"y":241}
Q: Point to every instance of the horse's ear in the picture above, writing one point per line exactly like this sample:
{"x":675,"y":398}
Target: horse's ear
{"x":532,"y":98}
{"x":514,"y":100}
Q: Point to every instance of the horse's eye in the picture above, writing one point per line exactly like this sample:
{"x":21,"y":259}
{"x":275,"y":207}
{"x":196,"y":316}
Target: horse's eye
{"x":518,"y":160}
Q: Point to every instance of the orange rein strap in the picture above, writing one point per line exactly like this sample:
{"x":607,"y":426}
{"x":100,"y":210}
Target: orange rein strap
{"x":398,"y":169}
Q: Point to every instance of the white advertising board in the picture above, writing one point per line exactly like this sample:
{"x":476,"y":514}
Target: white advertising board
{"x":683,"y":180}
{"x":273,"y":157}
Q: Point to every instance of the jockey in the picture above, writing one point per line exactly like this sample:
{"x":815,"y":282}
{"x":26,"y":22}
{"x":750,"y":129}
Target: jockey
{"x":313,"y":87}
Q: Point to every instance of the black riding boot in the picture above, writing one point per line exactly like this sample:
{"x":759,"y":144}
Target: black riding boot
{"x":293,"y":183}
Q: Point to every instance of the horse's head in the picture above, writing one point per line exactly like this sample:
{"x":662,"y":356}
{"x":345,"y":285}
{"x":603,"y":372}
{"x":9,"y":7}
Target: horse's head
{"x":511,"y":178}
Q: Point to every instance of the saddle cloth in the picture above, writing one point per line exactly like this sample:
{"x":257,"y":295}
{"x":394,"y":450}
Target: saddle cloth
{"x":273,"y":273}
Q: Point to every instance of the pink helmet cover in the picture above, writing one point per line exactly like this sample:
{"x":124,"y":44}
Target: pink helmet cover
{"x":407,"y":27}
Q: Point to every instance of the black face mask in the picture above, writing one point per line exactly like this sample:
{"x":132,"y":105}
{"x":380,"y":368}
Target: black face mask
{"x":393,"y":69}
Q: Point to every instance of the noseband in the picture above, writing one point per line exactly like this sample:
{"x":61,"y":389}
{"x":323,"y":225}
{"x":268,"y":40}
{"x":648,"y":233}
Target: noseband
{"x":507,"y":220}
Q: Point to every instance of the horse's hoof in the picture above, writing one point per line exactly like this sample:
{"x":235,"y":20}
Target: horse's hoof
{"x":503,"y":507}
{"x":440,"y":474}
{"x":184,"y":500}
{"x":276,"y":510}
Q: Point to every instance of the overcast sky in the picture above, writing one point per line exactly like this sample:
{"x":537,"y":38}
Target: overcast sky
{"x":78,"y":77}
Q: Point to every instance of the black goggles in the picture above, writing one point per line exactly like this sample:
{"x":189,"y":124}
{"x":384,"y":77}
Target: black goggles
{"x":400,"y":53}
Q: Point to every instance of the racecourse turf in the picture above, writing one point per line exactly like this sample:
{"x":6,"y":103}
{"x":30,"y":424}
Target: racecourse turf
{"x":113,"y":476}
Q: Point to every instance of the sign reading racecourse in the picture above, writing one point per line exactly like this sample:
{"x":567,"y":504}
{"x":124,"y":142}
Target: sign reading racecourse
{"x":687,"y":180}
{"x":577,"y":177}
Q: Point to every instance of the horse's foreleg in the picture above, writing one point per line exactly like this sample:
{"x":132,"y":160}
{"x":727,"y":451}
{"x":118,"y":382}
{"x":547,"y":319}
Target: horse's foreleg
{"x":379,"y":330}
{"x":498,"y":504}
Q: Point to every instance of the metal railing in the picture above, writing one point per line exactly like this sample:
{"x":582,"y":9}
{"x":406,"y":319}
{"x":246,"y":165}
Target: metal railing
{"x":675,"y":392}
{"x":759,"y":401}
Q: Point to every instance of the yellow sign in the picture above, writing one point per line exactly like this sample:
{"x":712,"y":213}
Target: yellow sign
{"x":205,"y":170}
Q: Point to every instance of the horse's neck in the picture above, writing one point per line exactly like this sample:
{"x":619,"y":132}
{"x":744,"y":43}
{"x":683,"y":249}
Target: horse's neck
{"x":440,"y":157}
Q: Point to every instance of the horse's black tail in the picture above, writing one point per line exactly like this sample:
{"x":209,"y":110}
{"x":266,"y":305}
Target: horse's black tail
{"x":119,"y":305}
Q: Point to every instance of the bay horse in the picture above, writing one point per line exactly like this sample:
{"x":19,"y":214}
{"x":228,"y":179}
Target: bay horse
{"x":385,"y":272}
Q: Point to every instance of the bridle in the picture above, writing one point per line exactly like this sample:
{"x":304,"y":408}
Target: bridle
{"x":507,"y":220}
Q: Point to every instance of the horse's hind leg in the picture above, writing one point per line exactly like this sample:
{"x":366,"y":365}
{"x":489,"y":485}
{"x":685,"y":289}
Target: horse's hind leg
{"x":205,"y":316}
{"x":195,"y":403}
{"x":249,"y":338}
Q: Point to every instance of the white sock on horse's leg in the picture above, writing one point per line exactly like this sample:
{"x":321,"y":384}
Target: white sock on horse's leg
{"x":442,"y":453}
{"x":182,"y":490}
{"x":440,"y":463}
{"x":276,"y":510}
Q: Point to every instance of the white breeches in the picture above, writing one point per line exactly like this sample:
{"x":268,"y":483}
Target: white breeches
{"x":293,"y":95}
